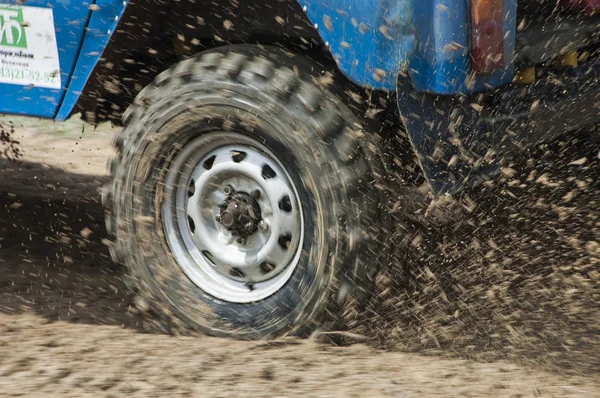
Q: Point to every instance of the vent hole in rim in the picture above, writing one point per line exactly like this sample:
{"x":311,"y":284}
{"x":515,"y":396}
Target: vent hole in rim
{"x":285,"y":204}
{"x":268,"y":172}
{"x":266,"y":267}
{"x":208,"y":163}
{"x":284,"y":241}
{"x":238,"y":156}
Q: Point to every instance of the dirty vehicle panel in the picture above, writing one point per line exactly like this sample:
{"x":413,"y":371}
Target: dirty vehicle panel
{"x":373,"y":41}
{"x":31,"y":62}
{"x":59,"y":44}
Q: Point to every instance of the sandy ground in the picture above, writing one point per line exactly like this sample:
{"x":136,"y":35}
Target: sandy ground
{"x":68,"y":327}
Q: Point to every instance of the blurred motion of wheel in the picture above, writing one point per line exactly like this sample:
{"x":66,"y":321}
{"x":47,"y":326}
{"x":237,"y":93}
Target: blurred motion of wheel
{"x":243,"y":201}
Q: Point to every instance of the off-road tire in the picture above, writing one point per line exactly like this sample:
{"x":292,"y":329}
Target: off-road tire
{"x":329,"y":158}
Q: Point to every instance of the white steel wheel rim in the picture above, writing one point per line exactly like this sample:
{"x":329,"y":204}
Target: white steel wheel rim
{"x":204,"y":175}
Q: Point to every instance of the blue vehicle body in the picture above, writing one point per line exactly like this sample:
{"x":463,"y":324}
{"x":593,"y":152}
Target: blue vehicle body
{"x":102,"y":23}
{"x":371,"y":40}
{"x":82,"y":31}
{"x":374,"y":40}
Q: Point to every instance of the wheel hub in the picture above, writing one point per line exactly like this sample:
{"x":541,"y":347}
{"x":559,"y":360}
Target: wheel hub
{"x":240,"y":214}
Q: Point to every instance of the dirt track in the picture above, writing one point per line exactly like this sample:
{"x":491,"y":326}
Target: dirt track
{"x":67,"y":326}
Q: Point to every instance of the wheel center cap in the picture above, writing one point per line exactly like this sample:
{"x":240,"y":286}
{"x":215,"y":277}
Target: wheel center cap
{"x":240,"y":214}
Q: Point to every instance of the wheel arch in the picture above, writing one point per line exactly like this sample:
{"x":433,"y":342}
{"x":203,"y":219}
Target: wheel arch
{"x":154,"y":35}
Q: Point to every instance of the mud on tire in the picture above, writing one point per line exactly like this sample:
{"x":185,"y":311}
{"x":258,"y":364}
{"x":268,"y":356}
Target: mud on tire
{"x":273,"y":98}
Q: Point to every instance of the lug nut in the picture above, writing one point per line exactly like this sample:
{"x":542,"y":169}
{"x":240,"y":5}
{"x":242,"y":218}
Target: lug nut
{"x":263,"y":226}
{"x":242,"y":241}
{"x":256,"y":194}
{"x":218,"y":218}
{"x":228,"y":190}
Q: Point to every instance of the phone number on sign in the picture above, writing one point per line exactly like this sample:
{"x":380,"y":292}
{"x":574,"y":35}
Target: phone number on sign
{"x":27,"y":76}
